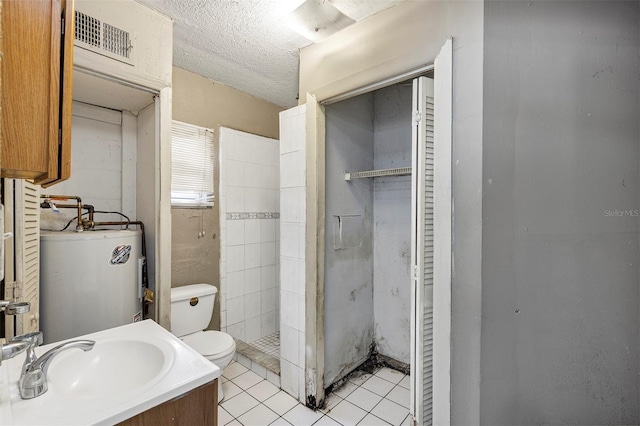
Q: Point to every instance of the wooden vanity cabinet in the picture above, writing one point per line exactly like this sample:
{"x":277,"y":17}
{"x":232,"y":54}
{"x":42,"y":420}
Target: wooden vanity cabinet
{"x":37,"y":67}
{"x":197,"y":407}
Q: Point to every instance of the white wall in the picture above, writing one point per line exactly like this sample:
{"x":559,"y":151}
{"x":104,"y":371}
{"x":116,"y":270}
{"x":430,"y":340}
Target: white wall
{"x":151,"y":37}
{"x":392,"y":223}
{"x":292,"y":254}
{"x":97,"y":150}
{"x":392,"y":42}
{"x":249,"y":218}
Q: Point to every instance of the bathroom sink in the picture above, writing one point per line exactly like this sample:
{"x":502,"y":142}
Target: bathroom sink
{"x":130,"y":369}
{"x":122,"y":367}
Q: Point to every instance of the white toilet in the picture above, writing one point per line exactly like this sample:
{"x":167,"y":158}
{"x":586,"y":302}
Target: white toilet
{"x":191,"y":310}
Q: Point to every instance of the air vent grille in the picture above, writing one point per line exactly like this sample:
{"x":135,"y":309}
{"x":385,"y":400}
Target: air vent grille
{"x":116,"y":41}
{"x":102,"y":38}
{"x":87,"y":29}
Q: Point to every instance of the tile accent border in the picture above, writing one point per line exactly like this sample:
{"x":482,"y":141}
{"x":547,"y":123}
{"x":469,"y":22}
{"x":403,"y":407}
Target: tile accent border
{"x":253,"y":215}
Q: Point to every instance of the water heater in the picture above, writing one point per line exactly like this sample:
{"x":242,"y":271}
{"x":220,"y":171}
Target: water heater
{"x":89,"y":281}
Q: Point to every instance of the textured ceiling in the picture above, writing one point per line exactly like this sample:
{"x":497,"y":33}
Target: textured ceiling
{"x":244,"y":43}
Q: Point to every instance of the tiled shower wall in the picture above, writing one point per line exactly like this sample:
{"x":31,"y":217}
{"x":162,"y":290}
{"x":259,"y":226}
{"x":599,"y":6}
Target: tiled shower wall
{"x":292,"y":256}
{"x":249,"y":223}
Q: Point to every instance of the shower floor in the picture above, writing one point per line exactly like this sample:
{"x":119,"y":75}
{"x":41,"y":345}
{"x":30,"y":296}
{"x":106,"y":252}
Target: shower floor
{"x":268,"y":344}
{"x":264,"y":351}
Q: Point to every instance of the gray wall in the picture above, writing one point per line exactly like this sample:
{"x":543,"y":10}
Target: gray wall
{"x":392,"y":223}
{"x":560,"y":300}
{"x":348,"y":303}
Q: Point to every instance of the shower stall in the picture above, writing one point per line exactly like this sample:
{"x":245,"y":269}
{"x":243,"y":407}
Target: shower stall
{"x":249,"y":222}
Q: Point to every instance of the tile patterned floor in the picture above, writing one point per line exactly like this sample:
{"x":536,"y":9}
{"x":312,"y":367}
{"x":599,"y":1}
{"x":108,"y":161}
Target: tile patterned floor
{"x":367,"y":400}
{"x":268,"y":344}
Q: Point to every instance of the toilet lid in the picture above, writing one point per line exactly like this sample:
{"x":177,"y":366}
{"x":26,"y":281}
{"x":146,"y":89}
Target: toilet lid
{"x":210,"y":342}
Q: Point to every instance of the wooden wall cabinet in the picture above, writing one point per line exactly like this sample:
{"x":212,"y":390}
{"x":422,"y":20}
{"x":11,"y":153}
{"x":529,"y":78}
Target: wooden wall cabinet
{"x":37,"y":67}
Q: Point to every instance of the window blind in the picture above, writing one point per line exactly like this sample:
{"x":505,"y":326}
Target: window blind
{"x":191,"y":165}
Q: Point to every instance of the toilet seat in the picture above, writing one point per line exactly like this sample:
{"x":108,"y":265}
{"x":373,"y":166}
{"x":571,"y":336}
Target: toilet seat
{"x":210,"y":343}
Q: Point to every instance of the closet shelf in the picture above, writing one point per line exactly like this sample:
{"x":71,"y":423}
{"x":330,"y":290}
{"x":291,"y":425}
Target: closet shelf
{"x":398,"y":171}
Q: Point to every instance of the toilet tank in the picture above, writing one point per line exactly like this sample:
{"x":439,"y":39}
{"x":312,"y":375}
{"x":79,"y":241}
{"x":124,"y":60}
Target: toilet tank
{"x":191,"y":308}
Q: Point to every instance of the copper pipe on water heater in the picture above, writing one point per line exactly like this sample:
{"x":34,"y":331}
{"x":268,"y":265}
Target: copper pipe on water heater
{"x":81,"y":223}
{"x":67,"y":206}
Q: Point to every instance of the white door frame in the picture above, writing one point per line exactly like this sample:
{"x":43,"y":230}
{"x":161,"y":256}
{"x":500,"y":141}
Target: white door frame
{"x":443,"y":234}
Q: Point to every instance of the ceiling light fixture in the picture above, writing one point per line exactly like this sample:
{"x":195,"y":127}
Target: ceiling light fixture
{"x":317,"y":19}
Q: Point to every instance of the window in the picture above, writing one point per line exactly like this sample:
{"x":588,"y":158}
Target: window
{"x":191,"y":166}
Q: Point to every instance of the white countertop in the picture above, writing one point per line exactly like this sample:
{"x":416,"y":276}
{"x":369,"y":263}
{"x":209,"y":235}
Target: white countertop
{"x":185,"y":370}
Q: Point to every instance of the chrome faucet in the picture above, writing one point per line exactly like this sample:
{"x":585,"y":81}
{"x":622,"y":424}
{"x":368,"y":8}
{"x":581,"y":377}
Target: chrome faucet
{"x":12,"y":349}
{"x":33,"y":339}
{"x":16,"y":346}
{"x":33,"y":381}
{"x":14,"y":308}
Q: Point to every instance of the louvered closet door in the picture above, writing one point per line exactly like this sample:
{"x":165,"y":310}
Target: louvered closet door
{"x":27,"y":254}
{"x":422,"y":253}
